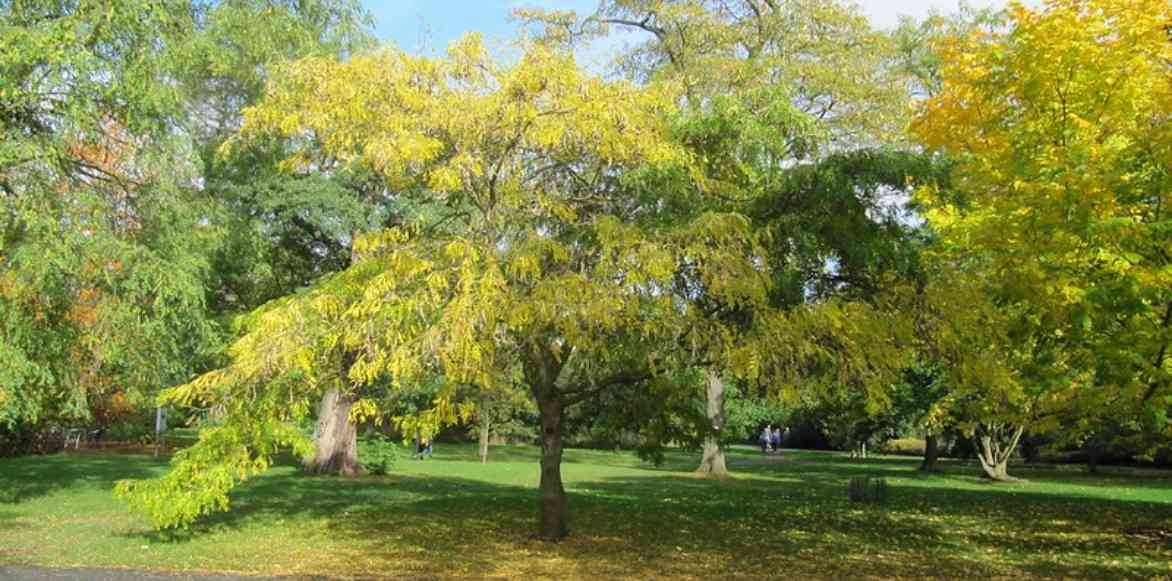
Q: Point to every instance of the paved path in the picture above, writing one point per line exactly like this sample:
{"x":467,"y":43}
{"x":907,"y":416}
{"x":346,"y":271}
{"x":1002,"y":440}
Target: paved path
{"x":38,"y":574}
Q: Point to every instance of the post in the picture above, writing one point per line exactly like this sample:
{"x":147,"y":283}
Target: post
{"x":160,"y":427}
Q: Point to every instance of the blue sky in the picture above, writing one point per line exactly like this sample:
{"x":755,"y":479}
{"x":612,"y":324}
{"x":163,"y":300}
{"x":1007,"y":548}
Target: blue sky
{"x":428,"y":25}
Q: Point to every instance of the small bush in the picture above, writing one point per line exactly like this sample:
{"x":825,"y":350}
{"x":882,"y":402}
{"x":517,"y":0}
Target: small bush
{"x":867,"y":489}
{"x":905,"y":446}
{"x":131,"y":429}
{"x":25,"y":439}
{"x":378,"y":454}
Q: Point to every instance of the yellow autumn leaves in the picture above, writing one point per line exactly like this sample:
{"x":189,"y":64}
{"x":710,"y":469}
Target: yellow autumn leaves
{"x":465,"y":125}
{"x":1061,"y":125}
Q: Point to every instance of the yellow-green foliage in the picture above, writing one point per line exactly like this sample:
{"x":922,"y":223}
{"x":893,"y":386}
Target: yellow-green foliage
{"x":1060,"y":127}
{"x":537,"y":242}
{"x":202,"y":475}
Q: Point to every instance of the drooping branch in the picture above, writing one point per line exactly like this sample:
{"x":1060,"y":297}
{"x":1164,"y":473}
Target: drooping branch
{"x":1160,"y":356}
{"x":585,"y":391}
{"x":1007,"y":452}
{"x":645,"y":24}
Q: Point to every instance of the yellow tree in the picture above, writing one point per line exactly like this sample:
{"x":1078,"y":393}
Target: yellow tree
{"x":814,"y":72}
{"x":553,"y":226}
{"x":772,"y":90}
{"x":1060,"y":127}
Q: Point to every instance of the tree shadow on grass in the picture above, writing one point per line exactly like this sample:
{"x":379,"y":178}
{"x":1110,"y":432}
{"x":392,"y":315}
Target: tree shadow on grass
{"x":804,"y":465}
{"x":403,"y":522}
{"x":662,"y":524}
{"x":933,"y":530}
{"x":29,"y":477}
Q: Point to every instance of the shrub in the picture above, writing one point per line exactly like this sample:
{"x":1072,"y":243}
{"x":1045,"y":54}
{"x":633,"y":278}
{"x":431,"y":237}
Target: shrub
{"x":905,"y":446}
{"x":134,"y":427}
{"x":23,"y":439}
{"x":378,"y":454}
{"x":867,"y":489}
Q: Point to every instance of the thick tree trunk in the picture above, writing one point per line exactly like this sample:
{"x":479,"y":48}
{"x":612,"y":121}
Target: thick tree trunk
{"x":994,"y":456}
{"x":931,"y":453}
{"x":712,"y":462}
{"x":335,"y":437}
{"x":998,"y":471}
{"x":553,"y":514}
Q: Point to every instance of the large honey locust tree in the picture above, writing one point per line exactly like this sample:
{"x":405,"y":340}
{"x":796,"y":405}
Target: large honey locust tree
{"x":553,"y":226}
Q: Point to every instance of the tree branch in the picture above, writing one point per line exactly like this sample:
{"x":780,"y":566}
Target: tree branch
{"x":585,"y":392}
{"x":1159,"y":357}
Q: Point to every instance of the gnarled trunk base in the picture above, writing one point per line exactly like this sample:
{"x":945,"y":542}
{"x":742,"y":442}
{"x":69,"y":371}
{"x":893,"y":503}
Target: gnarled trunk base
{"x":335,"y":437}
{"x":994,"y":455}
{"x":998,"y":472}
{"x":712,"y":463}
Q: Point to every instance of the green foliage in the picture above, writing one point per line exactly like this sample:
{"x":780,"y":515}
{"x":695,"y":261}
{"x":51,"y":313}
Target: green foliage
{"x":203,"y":474}
{"x":846,"y":211}
{"x":283,"y":232}
{"x":821,"y":60}
{"x":647,"y":417}
{"x":1058,"y":205}
{"x":556,"y":274}
{"x":107,"y":233}
{"x":746,"y":411}
{"x":379,"y":454}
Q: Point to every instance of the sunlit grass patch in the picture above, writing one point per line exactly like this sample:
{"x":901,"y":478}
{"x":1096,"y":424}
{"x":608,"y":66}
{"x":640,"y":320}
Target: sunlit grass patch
{"x":452,"y":516}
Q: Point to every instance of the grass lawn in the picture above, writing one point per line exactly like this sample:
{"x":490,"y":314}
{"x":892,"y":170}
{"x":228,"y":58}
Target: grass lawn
{"x":453,"y":516}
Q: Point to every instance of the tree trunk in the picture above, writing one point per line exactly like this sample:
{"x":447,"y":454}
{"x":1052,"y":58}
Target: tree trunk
{"x":998,"y":471}
{"x":712,"y":462}
{"x":335,"y":437}
{"x":553,"y":508}
{"x":484,"y":432}
{"x":994,"y":456}
{"x":931,"y":453}
{"x":859,"y":450}
{"x":1094,"y":451}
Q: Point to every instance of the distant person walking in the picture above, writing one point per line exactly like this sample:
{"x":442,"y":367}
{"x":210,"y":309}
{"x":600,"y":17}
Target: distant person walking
{"x":776,"y":439}
{"x":765,"y":436}
{"x":423,"y":448}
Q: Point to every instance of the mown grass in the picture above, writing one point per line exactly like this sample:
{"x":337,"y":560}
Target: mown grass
{"x":451,"y":516}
